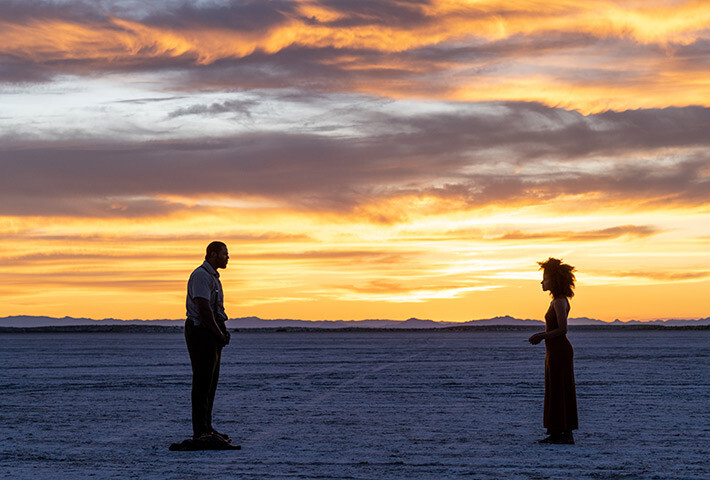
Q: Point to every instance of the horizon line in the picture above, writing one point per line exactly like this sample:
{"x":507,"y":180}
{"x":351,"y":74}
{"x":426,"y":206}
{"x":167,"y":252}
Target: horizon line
{"x":410,"y":319}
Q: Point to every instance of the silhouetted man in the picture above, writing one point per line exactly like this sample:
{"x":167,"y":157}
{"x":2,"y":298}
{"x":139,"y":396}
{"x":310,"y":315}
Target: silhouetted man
{"x":205,"y":335}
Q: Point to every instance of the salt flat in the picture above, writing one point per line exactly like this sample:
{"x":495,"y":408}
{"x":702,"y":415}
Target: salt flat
{"x":355,"y":405}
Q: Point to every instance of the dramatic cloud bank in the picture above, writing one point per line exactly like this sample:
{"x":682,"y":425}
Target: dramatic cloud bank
{"x":588,"y":56}
{"x":504,"y":154}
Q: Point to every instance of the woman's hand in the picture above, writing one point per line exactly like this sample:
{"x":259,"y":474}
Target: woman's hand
{"x":537,"y":338}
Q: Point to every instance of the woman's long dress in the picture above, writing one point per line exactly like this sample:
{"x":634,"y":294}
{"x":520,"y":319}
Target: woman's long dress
{"x":560,"y":411}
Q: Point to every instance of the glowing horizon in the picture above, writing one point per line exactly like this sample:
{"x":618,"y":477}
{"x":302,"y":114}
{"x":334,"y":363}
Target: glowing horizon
{"x":394,"y":161}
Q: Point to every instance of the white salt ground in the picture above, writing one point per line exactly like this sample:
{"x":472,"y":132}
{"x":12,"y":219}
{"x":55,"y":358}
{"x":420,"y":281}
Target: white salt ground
{"x":343,"y":405}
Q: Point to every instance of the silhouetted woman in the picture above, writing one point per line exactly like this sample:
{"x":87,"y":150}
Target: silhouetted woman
{"x":560,"y":411}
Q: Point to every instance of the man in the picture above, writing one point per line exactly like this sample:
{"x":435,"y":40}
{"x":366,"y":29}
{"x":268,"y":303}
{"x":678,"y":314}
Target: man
{"x":205,"y":335}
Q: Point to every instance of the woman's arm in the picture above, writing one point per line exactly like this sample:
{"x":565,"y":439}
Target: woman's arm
{"x":560,"y":306}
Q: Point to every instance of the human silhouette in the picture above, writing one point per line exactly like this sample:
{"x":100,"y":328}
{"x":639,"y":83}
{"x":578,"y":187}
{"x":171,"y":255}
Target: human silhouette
{"x":205,"y":335}
{"x":560,"y":407}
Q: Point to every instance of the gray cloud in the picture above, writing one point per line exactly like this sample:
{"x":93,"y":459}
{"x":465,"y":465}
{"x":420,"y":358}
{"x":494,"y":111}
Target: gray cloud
{"x":23,"y":11}
{"x":474,"y":158}
{"x":538,"y":130}
{"x":247,"y":16}
{"x":148,"y":100}
{"x":398,"y":14}
{"x":240,"y":107}
{"x":17,"y":70}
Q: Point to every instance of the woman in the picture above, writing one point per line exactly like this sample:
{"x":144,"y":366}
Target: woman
{"x":560,"y":411}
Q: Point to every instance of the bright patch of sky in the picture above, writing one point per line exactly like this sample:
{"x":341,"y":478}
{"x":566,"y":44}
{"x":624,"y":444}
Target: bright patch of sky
{"x":140,"y":8}
{"x":134,"y":106}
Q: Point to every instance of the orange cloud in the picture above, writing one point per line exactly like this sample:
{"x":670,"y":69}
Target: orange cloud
{"x":531,"y":75}
{"x":588,"y":235}
{"x":118,"y":39}
{"x":666,"y":276}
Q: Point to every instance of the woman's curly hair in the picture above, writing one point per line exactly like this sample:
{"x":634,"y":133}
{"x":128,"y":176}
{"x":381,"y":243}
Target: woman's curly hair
{"x":561,"y":277}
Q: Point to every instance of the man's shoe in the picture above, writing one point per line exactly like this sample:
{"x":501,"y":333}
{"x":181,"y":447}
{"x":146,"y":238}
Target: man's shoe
{"x":223,"y":436}
{"x":211,"y":441}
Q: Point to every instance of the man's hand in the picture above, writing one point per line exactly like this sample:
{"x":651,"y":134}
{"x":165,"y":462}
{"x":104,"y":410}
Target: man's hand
{"x":537,"y":338}
{"x":227,"y":336}
{"x":221,"y":339}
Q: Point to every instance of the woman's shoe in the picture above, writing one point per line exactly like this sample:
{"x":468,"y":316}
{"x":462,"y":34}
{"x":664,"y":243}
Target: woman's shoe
{"x":559,"y":438}
{"x":549,"y":439}
{"x":567,"y":438}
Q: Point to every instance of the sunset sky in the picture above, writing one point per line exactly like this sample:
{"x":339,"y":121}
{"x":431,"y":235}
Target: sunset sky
{"x":361,"y":158}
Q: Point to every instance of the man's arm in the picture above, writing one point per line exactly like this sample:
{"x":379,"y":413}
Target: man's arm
{"x":207,"y":318}
{"x":223,"y":327}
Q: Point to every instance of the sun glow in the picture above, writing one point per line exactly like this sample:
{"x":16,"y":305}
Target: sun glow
{"x":282,"y":262}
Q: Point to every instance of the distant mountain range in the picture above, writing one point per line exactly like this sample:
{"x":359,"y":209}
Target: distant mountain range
{"x":256,"y":322}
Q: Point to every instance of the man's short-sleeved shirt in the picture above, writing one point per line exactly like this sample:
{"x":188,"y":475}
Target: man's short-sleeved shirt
{"x":204,"y":283}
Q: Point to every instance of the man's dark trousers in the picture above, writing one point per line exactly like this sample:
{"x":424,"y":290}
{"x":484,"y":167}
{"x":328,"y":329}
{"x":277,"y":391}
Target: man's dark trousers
{"x":205,"y":356}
